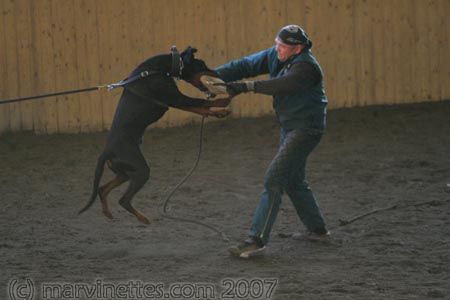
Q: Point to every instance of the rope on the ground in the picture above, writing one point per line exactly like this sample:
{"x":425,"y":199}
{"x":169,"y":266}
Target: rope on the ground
{"x":166,"y":202}
{"x":343,"y":222}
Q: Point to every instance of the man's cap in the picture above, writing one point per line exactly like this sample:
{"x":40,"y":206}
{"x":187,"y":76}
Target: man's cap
{"x":294,"y":35}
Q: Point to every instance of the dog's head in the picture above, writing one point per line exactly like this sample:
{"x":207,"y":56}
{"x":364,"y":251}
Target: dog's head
{"x":195,"y":68}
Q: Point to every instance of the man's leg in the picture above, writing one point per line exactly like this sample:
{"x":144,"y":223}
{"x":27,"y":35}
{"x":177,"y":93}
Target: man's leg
{"x":306,"y":205}
{"x":299,"y":191}
{"x":275,"y":182}
{"x":264,"y":216}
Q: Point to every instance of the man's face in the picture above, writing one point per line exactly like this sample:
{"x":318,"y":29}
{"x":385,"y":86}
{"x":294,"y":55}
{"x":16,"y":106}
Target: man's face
{"x":285,"y":51}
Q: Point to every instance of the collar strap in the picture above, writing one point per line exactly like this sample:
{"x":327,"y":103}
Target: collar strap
{"x":177,"y":63}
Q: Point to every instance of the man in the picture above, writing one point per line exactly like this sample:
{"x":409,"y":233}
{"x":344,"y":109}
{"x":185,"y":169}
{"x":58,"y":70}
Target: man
{"x":296,"y":83}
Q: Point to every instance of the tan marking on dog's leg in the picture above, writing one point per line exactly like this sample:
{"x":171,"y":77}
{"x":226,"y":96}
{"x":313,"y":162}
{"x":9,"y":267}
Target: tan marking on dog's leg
{"x":141,"y":217}
{"x":105,"y":190}
{"x":105,"y":208}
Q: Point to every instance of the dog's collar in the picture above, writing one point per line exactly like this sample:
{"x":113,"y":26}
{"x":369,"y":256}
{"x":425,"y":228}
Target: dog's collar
{"x":177,"y":64}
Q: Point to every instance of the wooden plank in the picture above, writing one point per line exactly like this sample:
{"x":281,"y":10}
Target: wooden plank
{"x":44,"y":112}
{"x":66,"y":65}
{"x":4,"y":93}
{"x":140,"y":31}
{"x":109,"y":45}
{"x":119,"y":66}
{"x":401,"y":46}
{"x":12,"y":60}
{"x":115,"y":61}
{"x":390,"y":66}
{"x":350,"y":58}
{"x":87,"y":65}
{"x":267,"y":22}
{"x":364,"y":52}
{"x":235,"y":36}
{"x":316,"y":17}
{"x":25,"y":66}
{"x":103,"y":56}
{"x":376,"y":65}
{"x":340,"y":49}
{"x":247,"y":21}
{"x":278,"y":17}
{"x":434,"y":45}
{"x":407,"y":26}
{"x":399,"y":51}
{"x":316,"y":22}
{"x":295,"y":13}
{"x":422,"y":73}
{"x":333,"y":65}
{"x":307,"y":21}
{"x":394,"y":78}
{"x":145,"y":34}
{"x":443,"y":7}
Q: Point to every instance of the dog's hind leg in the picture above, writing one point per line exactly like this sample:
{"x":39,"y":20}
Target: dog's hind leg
{"x":137,"y":181}
{"x":137,"y":170}
{"x":106,"y":189}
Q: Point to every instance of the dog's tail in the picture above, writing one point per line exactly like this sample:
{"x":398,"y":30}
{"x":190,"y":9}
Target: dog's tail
{"x":98,"y":175}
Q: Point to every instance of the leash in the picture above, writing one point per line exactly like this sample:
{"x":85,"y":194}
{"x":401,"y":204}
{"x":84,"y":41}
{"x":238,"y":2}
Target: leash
{"x":109,"y":87}
{"x":52,"y":94}
{"x":182,"y":181}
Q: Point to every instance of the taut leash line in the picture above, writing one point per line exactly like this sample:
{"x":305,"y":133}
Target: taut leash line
{"x":90,"y":89}
{"x":52,"y":94}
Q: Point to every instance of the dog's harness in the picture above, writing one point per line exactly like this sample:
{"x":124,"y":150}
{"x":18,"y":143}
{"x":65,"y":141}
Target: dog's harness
{"x":175,"y":72}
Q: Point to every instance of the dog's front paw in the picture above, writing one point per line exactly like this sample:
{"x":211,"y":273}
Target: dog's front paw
{"x":222,"y":102}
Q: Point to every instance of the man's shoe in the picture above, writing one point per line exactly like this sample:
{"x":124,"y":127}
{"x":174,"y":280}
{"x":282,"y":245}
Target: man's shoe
{"x":247,"y":249}
{"x":312,"y":236}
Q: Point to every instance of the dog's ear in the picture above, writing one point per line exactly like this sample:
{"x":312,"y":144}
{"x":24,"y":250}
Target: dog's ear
{"x":190,"y":50}
{"x":188,"y":54}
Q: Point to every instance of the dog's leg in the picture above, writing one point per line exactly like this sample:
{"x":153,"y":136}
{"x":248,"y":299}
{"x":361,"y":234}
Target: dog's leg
{"x":137,"y":181}
{"x":133,"y":163}
{"x":106,"y":189}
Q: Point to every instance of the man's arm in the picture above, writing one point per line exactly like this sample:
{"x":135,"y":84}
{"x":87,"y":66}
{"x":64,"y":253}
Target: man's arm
{"x":249,"y":66}
{"x":299,"y":77}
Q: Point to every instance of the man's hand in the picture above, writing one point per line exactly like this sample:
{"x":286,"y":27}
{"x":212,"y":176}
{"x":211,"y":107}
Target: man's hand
{"x":237,"y":87}
{"x":218,"y":112}
{"x":222,"y":102}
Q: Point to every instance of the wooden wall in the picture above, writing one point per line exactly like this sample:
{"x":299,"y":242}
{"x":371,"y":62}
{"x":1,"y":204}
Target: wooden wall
{"x":372,"y":51}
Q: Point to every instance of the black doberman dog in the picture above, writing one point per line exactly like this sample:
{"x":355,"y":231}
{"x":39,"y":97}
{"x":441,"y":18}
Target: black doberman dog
{"x":142,"y":103}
